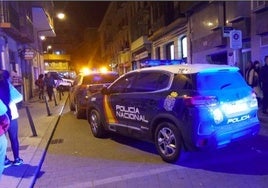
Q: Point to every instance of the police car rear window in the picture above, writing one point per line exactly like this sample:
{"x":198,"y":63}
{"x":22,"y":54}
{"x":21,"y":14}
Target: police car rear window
{"x":219,"y":80}
{"x":99,"y":78}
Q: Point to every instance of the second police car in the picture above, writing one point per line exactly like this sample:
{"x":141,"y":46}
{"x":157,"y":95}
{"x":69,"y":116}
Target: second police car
{"x":191,"y":106}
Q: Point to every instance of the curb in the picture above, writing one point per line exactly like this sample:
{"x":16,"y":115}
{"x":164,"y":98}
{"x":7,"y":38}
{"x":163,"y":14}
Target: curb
{"x":33,"y":146}
{"x":45,"y":144}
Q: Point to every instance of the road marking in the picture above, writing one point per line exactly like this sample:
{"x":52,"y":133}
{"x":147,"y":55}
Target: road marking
{"x":125,"y":177}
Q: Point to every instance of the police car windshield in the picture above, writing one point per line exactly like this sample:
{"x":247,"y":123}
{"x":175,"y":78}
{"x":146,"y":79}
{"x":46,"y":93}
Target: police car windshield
{"x":220,"y":80}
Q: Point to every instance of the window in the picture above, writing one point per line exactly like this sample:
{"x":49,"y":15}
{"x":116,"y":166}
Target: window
{"x":170,"y":51}
{"x":150,"y":81}
{"x":157,"y":53}
{"x":214,"y":81}
{"x":124,"y":84}
{"x":183,"y":82}
{"x":184,"y":47}
{"x":99,"y":78}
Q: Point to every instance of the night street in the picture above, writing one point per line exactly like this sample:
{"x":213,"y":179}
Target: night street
{"x":76,"y":158}
{"x":181,"y":75}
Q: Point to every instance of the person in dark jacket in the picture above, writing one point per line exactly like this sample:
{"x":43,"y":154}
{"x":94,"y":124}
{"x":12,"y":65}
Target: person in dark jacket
{"x":50,"y":84}
{"x":264,"y":85}
{"x":41,"y":86}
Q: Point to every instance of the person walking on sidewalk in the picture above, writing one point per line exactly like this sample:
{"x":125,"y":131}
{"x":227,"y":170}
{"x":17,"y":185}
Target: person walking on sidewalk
{"x":4,"y":124}
{"x":247,"y":71}
{"x":41,"y":86}
{"x":11,"y":96}
{"x":264,"y":85}
{"x":50,"y":84}
{"x":254,"y":81}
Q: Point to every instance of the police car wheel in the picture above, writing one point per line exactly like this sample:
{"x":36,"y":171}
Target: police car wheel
{"x":168,"y":141}
{"x":95,"y":124}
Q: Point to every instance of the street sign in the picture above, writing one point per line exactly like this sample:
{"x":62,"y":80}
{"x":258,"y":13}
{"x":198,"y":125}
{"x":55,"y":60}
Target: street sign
{"x":235,"y":39}
{"x":29,"y":54}
{"x":226,"y":31}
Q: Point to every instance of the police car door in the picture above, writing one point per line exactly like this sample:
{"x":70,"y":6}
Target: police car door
{"x":144,"y":99}
{"x":117,"y":105}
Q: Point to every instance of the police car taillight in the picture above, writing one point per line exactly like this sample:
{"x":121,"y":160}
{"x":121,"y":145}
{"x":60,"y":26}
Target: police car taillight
{"x":253,"y":102}
{"x":201,"y":100}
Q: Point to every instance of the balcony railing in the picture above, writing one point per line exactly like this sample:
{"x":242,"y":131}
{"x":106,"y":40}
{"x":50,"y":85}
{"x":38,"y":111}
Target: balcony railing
{"x":15,"y":25}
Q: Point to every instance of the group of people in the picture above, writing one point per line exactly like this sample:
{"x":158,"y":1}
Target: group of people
{"x":257,"y":77}
{"x":45,"y":82}
{"x":9,"y":98}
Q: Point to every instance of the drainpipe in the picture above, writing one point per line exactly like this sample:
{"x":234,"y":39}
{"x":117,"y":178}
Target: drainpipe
{"x":2,"y":11}
{"x":3,"y":43}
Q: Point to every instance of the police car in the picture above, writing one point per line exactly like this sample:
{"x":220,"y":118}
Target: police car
{"x":85,"y":85}
{"x":187,"y":106}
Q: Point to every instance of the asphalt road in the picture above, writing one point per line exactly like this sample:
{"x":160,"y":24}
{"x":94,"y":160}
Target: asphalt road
{"x":76,"y":159}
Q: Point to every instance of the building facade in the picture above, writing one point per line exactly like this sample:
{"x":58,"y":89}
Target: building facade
{"x":190,"y":31}
{"x":21,"y":24}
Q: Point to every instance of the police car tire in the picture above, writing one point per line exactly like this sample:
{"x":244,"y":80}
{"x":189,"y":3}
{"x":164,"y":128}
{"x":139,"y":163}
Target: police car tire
{"x":95,"y":124}
{"x":174,"y":138}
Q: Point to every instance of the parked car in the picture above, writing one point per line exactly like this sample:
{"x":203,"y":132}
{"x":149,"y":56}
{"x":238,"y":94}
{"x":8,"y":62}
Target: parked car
{"x":187,"y":106}
{"x":85,"y":85}
{"x":62,"y":83}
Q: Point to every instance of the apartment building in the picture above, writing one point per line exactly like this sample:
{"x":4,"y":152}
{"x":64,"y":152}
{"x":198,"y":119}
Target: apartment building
{"x":21,"y":25}
{"x":217,"y":32}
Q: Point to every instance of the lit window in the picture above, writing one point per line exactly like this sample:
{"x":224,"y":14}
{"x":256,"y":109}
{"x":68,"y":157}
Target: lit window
{"x":184,"y":47}
{"x":170,"y":51}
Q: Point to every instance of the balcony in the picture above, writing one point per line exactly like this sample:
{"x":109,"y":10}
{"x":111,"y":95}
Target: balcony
{"x":12,"y":24}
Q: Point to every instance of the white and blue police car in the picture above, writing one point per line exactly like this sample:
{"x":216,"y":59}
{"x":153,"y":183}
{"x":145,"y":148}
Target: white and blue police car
{"x":186,"y":106}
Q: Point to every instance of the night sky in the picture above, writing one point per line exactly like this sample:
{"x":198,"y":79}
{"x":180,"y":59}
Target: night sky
{"x":79,"y":15}
{"x":83,"y":13}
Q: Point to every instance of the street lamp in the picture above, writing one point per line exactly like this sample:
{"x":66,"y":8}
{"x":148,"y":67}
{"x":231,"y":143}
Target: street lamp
{"x":42,"y":37}
{"x":61,"y":15}
{"x":49,"y":47}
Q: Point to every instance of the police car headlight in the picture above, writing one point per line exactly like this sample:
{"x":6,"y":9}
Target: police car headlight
{"x":217,"y":116}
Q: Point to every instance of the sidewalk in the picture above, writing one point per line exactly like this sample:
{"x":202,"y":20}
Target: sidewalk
{"x":33,"y":148}
{"x":34,"y":137}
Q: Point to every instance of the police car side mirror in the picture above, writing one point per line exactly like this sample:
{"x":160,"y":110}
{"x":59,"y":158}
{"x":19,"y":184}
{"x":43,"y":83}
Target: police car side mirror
{"x":92,"y":89}
{"x":104,"y":91}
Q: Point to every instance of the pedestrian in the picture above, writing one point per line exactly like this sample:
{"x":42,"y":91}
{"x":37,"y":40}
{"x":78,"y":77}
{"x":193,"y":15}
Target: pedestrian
{"x":254,"y":81}
{"x":264,"y":84}
{"x":4,"y":124}
{"x":10,"y":97}
{"x":50,"y":84}
{"x":41,"y":86}
{"x":16,"y":81}
{"x":249,"y":67}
